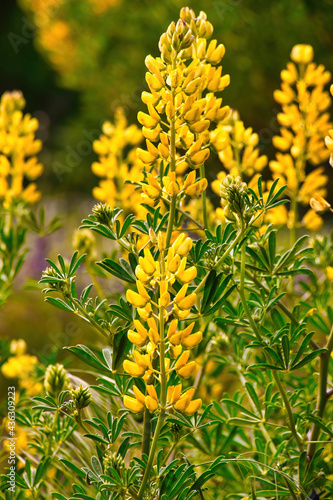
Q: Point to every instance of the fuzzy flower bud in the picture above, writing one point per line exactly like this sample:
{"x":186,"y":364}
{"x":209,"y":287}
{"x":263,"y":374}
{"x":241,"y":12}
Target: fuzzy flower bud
{"x":56,"y":380}
{"x":81,"y":397}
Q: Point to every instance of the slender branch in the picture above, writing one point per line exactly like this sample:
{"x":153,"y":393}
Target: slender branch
{"x":322,"y":394}
{"x":171,"y":221}
{"x":261,"y":425}
{"x":189,"y":216}
{"x":259,"y":338}
{"x":88,"y":318}
{"x":231,"y":247}
{"x":284,"y":309}
{"x":204,"y":198}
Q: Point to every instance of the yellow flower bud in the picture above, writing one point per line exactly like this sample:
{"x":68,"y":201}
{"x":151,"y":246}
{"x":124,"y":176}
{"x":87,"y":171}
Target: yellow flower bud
{"x":174,"y":264}
{"x":152,"y":134}
{"x":187,"y":302}
{"x":151,"y":404}
{"x":329,"y":272}
{"x":146,"y":120}
{"x":132,"y":404}
{"x":199,"y":158}
{"x":135,"y":299}
{"x":145,"y":156}
{"x":182,"y":360}
{"x":153,"y":99}
{"x":173,"y":393}
{"x":301,"y":54}
{"x":197,"y":188}
{"x":133,"y":369}
{"x":185,"y":247}
{"x":193,"y":86}
{"x":161,"y":241}
{"x":136,"y":338}
{"x":188,"y":275}
{"x":192,"y":340}
{"x":193,"y":407}
{"x":140,"y":397}
{"x":190,"y":179}
{"x":188,"y":370}
{"x":154,"y":83}
{"x":319,"y":204}
{"x":200,"y":126}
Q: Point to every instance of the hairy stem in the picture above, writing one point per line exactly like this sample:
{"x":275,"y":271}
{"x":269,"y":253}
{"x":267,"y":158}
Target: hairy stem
{"x":322,"y":394}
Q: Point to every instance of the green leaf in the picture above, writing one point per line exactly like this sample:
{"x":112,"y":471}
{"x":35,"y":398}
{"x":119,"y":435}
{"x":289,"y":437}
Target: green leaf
{"x":96,"y":465}
{"x":86,"y":355}
{"x":253,"y":396}
{"x":117,"y":270}
{"x":60,"y":304}
{"x":73,"y":467}
{"x":308,"y":358}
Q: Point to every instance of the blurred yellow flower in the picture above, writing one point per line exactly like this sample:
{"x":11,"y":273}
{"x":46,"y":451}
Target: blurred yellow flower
{"x":18,"y":147}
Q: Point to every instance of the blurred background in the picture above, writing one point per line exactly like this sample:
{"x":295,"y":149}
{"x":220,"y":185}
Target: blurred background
{"x":77,"y":61}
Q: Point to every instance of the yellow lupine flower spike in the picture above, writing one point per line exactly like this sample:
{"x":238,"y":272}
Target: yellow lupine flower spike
{"x":17,"y":144}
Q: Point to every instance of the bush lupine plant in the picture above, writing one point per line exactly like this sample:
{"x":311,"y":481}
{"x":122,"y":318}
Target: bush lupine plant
{"x":19,"y":166}
{"x":212,"y":371}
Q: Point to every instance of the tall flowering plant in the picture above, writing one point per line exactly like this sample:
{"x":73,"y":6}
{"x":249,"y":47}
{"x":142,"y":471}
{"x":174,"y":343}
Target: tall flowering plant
{"x":210,"y":372}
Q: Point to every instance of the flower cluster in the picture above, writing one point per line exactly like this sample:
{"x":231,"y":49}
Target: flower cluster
{"x":118,"y":163}
{"x":18,"y":149}
{"x":181,"y":107}
{"x":238,"y":153}
{"x":59,"y":38}
{"x":329,"y":137}
{"x":304,"y":124}
{"x":163,"y":291}
{"x":21,"y":366}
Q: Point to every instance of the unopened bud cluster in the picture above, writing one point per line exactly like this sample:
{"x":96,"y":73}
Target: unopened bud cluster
{"x":81,"y":397}
{"x":56,"y":380}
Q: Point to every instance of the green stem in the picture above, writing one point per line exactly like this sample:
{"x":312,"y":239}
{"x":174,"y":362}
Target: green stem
{"x":261,"y":425}
{"x":294,"y":209}
{"x":146,"y":432}
{"x":204,"y":198}
{"x":89,"y":318}
{"x":322,"y":394}
{"x":259,"y":338}
{"x":283,"y":308}
{"x":81,"y":423}
{"x":54,"y":425}
{"x":189,"y":216}
{"x":158,"y":429}
{"x":201,"y":284}
{"x":171,"y":221}
{"x":232,"y":246}
{"x":289,"y":410}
